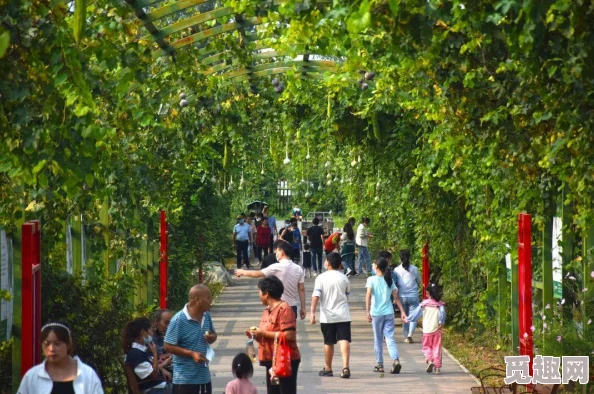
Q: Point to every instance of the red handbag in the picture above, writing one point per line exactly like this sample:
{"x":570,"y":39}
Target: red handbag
{"x":281,"y":359}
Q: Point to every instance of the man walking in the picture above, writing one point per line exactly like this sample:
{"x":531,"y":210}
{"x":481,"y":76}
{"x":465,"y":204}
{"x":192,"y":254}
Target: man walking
{"x":362,"y":241}
{"x":315,"y":236}
{"x":292,"y":276}
{"x":189,"y":336}
{"x":331,"y":290}
{"x":242,"y":237}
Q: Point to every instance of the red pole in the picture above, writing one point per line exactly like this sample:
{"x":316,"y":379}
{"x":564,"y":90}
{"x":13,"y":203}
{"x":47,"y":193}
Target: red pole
{"x":425,"y":254}
{"x":525,"y":285}
{"x":36,"y":273}
{"x":163,"y":275}
{"x":27,"y":262}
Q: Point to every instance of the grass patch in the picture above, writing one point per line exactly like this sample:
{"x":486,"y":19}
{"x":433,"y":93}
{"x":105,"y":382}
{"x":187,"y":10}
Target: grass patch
{"x":476,"y":351}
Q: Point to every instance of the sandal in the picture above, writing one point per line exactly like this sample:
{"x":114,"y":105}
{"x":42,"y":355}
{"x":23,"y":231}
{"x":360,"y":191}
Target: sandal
{"x":346,"y":373}
{"x":396,"y":367}
{"x":325,"y":372}
{"x":379,"y":368}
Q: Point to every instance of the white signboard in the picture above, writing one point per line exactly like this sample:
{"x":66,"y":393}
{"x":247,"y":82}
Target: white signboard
{"x":5,"y":286}
{"x":557,"y":260}
{"x":69,"y":260}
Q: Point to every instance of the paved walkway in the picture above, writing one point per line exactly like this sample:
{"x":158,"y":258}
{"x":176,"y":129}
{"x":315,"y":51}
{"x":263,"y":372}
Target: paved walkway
{"x":239,"y":308}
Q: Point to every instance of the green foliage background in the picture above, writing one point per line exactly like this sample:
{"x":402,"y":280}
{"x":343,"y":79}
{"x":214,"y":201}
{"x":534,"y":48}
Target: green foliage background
{"x":480,"y":110}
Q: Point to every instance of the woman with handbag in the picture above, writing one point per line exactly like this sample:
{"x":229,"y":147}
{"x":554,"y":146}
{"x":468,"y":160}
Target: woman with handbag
{"x":277,"y":339}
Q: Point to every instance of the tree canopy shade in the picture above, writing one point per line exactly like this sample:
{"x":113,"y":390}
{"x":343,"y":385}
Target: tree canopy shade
{"x":465,"y":114}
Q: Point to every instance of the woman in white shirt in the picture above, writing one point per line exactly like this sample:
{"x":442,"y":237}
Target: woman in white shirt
{"x":408,"y":290}
{"x":60,"y":372}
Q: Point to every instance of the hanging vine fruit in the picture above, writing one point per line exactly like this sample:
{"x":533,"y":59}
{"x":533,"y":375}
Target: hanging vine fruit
{"x":80,"y":19}
{"x":226,"y":158}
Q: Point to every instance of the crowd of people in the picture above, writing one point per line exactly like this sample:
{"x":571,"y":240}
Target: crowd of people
{"x":171,"y":353}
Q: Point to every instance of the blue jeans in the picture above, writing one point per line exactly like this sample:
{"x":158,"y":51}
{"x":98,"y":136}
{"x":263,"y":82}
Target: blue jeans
{"x":316,"y":258}
{"x":383,"y":327}
{"x":349,"y":262}
{"x":409,"y":304}
{"x":364,"y":258}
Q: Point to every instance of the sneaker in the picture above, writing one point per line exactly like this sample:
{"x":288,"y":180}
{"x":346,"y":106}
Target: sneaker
{"x":325,"y":372}
{"x":315,"y":274}
{"x":430,"y":368}
{"x":396,"y":367}
{"x":437,"y":371}
{"x":409,"y":340}
{"x":379,"y":368}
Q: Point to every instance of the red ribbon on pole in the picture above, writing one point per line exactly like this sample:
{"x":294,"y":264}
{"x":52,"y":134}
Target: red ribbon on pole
{"x":525,"y":285}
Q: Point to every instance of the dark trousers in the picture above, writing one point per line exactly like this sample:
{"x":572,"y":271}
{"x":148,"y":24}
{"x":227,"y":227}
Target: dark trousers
{"x":271,"y":243}
{"x":260,"y":250}
{"x":316,"y":255}
{"x":192,"y":388}
{"x":242,"y":249}
{"x":287,"y":385}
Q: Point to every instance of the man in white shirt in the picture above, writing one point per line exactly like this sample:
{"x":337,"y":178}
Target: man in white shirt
{"x":362,"y":240}
{"x":291,"y":274}
{"x":331,"y":290}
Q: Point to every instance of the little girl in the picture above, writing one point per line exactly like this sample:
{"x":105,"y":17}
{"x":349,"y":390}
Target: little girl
{"x":381,"y":313}
{"x":242,"y":370}
{"x":433,"y":312}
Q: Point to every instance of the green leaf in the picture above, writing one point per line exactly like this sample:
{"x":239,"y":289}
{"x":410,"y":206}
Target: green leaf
{"x":394,"y":6}
{"x":38,"y":167}
{"x":90,"y":179}
{"x":4,"y":42}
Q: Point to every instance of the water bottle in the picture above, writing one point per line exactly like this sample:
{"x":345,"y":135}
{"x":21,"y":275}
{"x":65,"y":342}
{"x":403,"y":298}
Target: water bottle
{"x":250,"y":349}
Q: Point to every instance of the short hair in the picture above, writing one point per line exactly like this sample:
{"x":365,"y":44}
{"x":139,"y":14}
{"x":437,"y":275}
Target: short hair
{"x":272,"y":286}
{"x":366,"y":220}
{"x":239,"y":217}
{"x":385,"y":254}
{"x":316,"y":221}
{"x":286,"y":247}
{"x":334,"y":259}
{"x":242,"y":366}
{"x":293,"y":220}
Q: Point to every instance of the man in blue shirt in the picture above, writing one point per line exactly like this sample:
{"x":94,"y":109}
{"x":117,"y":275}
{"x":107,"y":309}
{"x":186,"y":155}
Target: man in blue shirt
{"x":188,"y":338}
{"x":242,"y":236}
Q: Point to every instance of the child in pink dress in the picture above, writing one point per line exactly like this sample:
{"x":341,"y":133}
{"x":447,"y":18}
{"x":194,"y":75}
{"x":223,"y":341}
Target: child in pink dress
{"x":242,"y":370}
{"x":433,"y":312}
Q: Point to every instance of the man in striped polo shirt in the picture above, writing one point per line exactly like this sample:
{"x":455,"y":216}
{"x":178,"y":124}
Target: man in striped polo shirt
{"x":188,"y":337}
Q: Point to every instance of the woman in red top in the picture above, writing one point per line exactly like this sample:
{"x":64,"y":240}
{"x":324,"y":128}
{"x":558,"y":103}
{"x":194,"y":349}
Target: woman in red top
{"x":277,"y":318}
{"x":263,"y":239}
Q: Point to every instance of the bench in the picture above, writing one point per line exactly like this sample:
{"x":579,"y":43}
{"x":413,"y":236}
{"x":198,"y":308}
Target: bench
{"x":494,"y":372}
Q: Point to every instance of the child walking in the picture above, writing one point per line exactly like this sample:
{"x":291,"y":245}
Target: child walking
{"x":242,"y":370}
{"x":381,"y":313}
{"x":433,"y":312}
{"x":306,"y":261}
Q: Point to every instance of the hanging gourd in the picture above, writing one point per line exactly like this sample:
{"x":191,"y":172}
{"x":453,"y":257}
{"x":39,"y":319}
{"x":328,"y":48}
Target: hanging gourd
{"x":214,"y":178}
{"x":80,"y":19}
{"x":230,"y":187}
{"x":262,"y":172}
{"x":329,"y":110}
{"x":376,"y":130}
{"x":226,"y":158}
{"x":287,"y":160}
{"x":308,"y":155}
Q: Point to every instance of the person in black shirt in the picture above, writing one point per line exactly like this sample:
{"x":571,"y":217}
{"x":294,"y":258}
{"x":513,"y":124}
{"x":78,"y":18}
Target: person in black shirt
{"x":315,"y":235}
